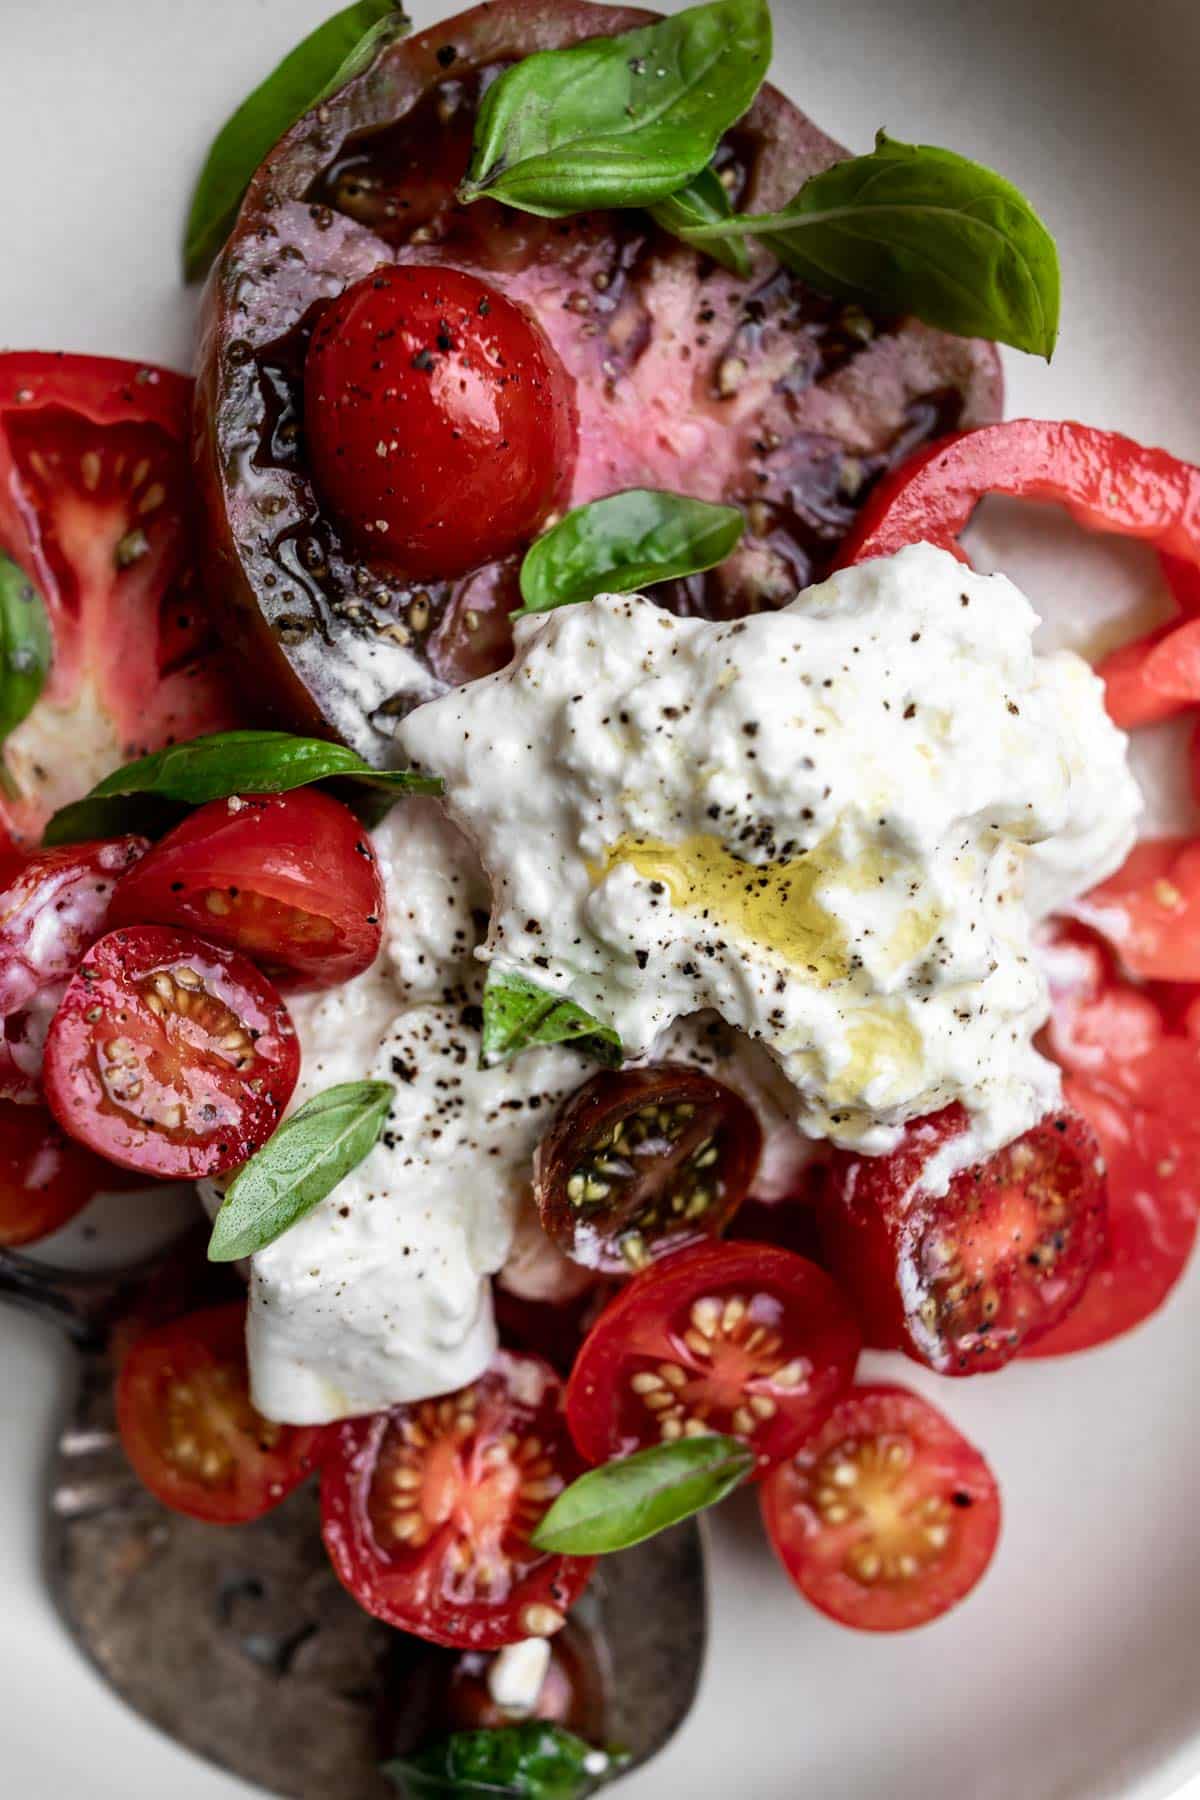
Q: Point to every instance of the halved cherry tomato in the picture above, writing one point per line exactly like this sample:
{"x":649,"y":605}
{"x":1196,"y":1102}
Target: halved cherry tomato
{"x":290,"y":880}
{"x":170,"y":1055}
{"x":737,"y":1338}
{"x":52,"y":906}
{"x":1149,"y":911}
{"x":439,"y":421}
{"x":45,"y":1176}
{"x":427,"y":1509}
{"x":887,"y":1517}
{"x":96,"y":502}
{"x":189,"y":1427}
{"x":962,"y":1280}
{"x":640,"y":1162}
{"x":1132,"y":1070}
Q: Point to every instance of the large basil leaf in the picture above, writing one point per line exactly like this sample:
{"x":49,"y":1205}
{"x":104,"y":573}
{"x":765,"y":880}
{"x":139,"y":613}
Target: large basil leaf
{"x":621,"y":121}
{"x":26,"y":645}
{"x":517,"y":1015}
{"x":623,"y":543}
{"x":703,"y":202}
{"x":297,"y":1167}
{"x":213,"y":768}
{"x":623,"y":1503}
{"x":533,"y":1761}
{"x":317,"y":67}
{"x":914,"y":229}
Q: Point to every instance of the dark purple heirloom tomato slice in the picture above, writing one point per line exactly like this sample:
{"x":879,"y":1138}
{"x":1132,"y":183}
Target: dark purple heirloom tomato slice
{"x":290,"y":880}
{"x":427,"y":1510}
{"x":887,"y":1517}
{"x":643,"y":1161}
{"x":170,"y":1055}
{"x":352,"y":588}
{"x":964,"y":1279}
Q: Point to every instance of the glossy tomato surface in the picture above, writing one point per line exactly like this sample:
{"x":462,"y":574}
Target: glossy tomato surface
{"x":427,"y":1510}
{"x":1150,"y":910}
{"x":45,"y":1176}
{"x":97,"y":506}
{"x":962,"y":1280}
{"x":640,"y":1162}
{"x":440,"y":424}
{"x":290,"y":880}
{"x":190,"y":1430}
{"x":53,"y":904}
{"x":887,"y":1517}
{"x":170,"y":1055}
{"x":738,"y":1338}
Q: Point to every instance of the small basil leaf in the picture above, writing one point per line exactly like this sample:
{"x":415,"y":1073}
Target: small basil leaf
{"x":213,"y":768}
{"x":517,"y":1015}
{"x":324,"y":61}
{"x":914,"y":229}
{"x":299,"y":1166}
{"x":623,"y":543}
{"x":623,"y":1503}
{"x":532,"y":1761}
{"x":26,"y":645}
{"x":620,"y":121}
{"x":704,"y":201}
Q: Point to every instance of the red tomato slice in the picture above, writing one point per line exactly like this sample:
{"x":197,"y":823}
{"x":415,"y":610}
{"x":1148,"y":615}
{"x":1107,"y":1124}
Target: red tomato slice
{"x":290,"y":880}
{"x":45,"y":1177}
{"x":170,"y":1055}
{"x":52,"y":906}
{"x":738,"y":1338}
{"x":1133,"y":1071}
{"x":1153,"y":678}
{"x":191,"y":1431}
{"x":427,"y":1510}
{"x":96,"y":502}
{"x":961,"y":1280}
{"x":887,"y":1517}
{"x":1149,"y":911}
{"x":640,"y":1162}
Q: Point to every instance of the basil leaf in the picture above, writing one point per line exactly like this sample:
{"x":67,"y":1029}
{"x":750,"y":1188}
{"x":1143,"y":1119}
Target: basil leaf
{"x":316,"y":68}
{"x":297,"y":1167}
{"x":26,"y":645}
{"x":623,"y":543}
{"x":213,"y":768}
{"x":623,"y":1503}
{"x":914,"y":229}
{"x":532,"y":1761}
{"x":704,"y":201}
{"x":518,"y":1015}
{"x":620,"y":121}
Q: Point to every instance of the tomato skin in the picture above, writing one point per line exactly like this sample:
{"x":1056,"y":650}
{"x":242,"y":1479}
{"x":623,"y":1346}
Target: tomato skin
{"x":196,"y":1367}
{"x":135,"y":1064}
{"x":45,"y":1177}
{"x":440,"y":423}
{"x":817,"y":1528}
{"x":1149,"y":911}
{"x":96,"y":503}
{"x":290,"y":880}
{"x":961,"y":1281}
{"x":641,"y":1173}
{"x":654,"y":1324}
{"x":53,"y":904}
{"x":464,"y":1500}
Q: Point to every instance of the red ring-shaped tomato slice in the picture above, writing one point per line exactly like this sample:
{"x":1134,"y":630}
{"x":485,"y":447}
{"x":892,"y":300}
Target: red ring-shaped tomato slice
{"x":640,"y":1162}
{"x":189,"y":1427}
{"x":887,"y":1517}
{"x":170,"y":1055}
{"x":427,"y":1509}
{"x":744,"y":1339}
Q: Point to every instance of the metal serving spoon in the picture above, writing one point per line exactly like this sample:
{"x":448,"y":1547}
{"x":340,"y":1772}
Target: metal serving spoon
{"x":239,"y":1641}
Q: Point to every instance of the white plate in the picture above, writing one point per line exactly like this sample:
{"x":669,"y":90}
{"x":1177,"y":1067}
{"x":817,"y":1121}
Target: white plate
{"x":1072,"y":1672}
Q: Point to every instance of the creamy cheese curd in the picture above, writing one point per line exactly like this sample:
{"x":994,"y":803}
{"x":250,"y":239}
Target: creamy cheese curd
{"x":834,"y":825}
